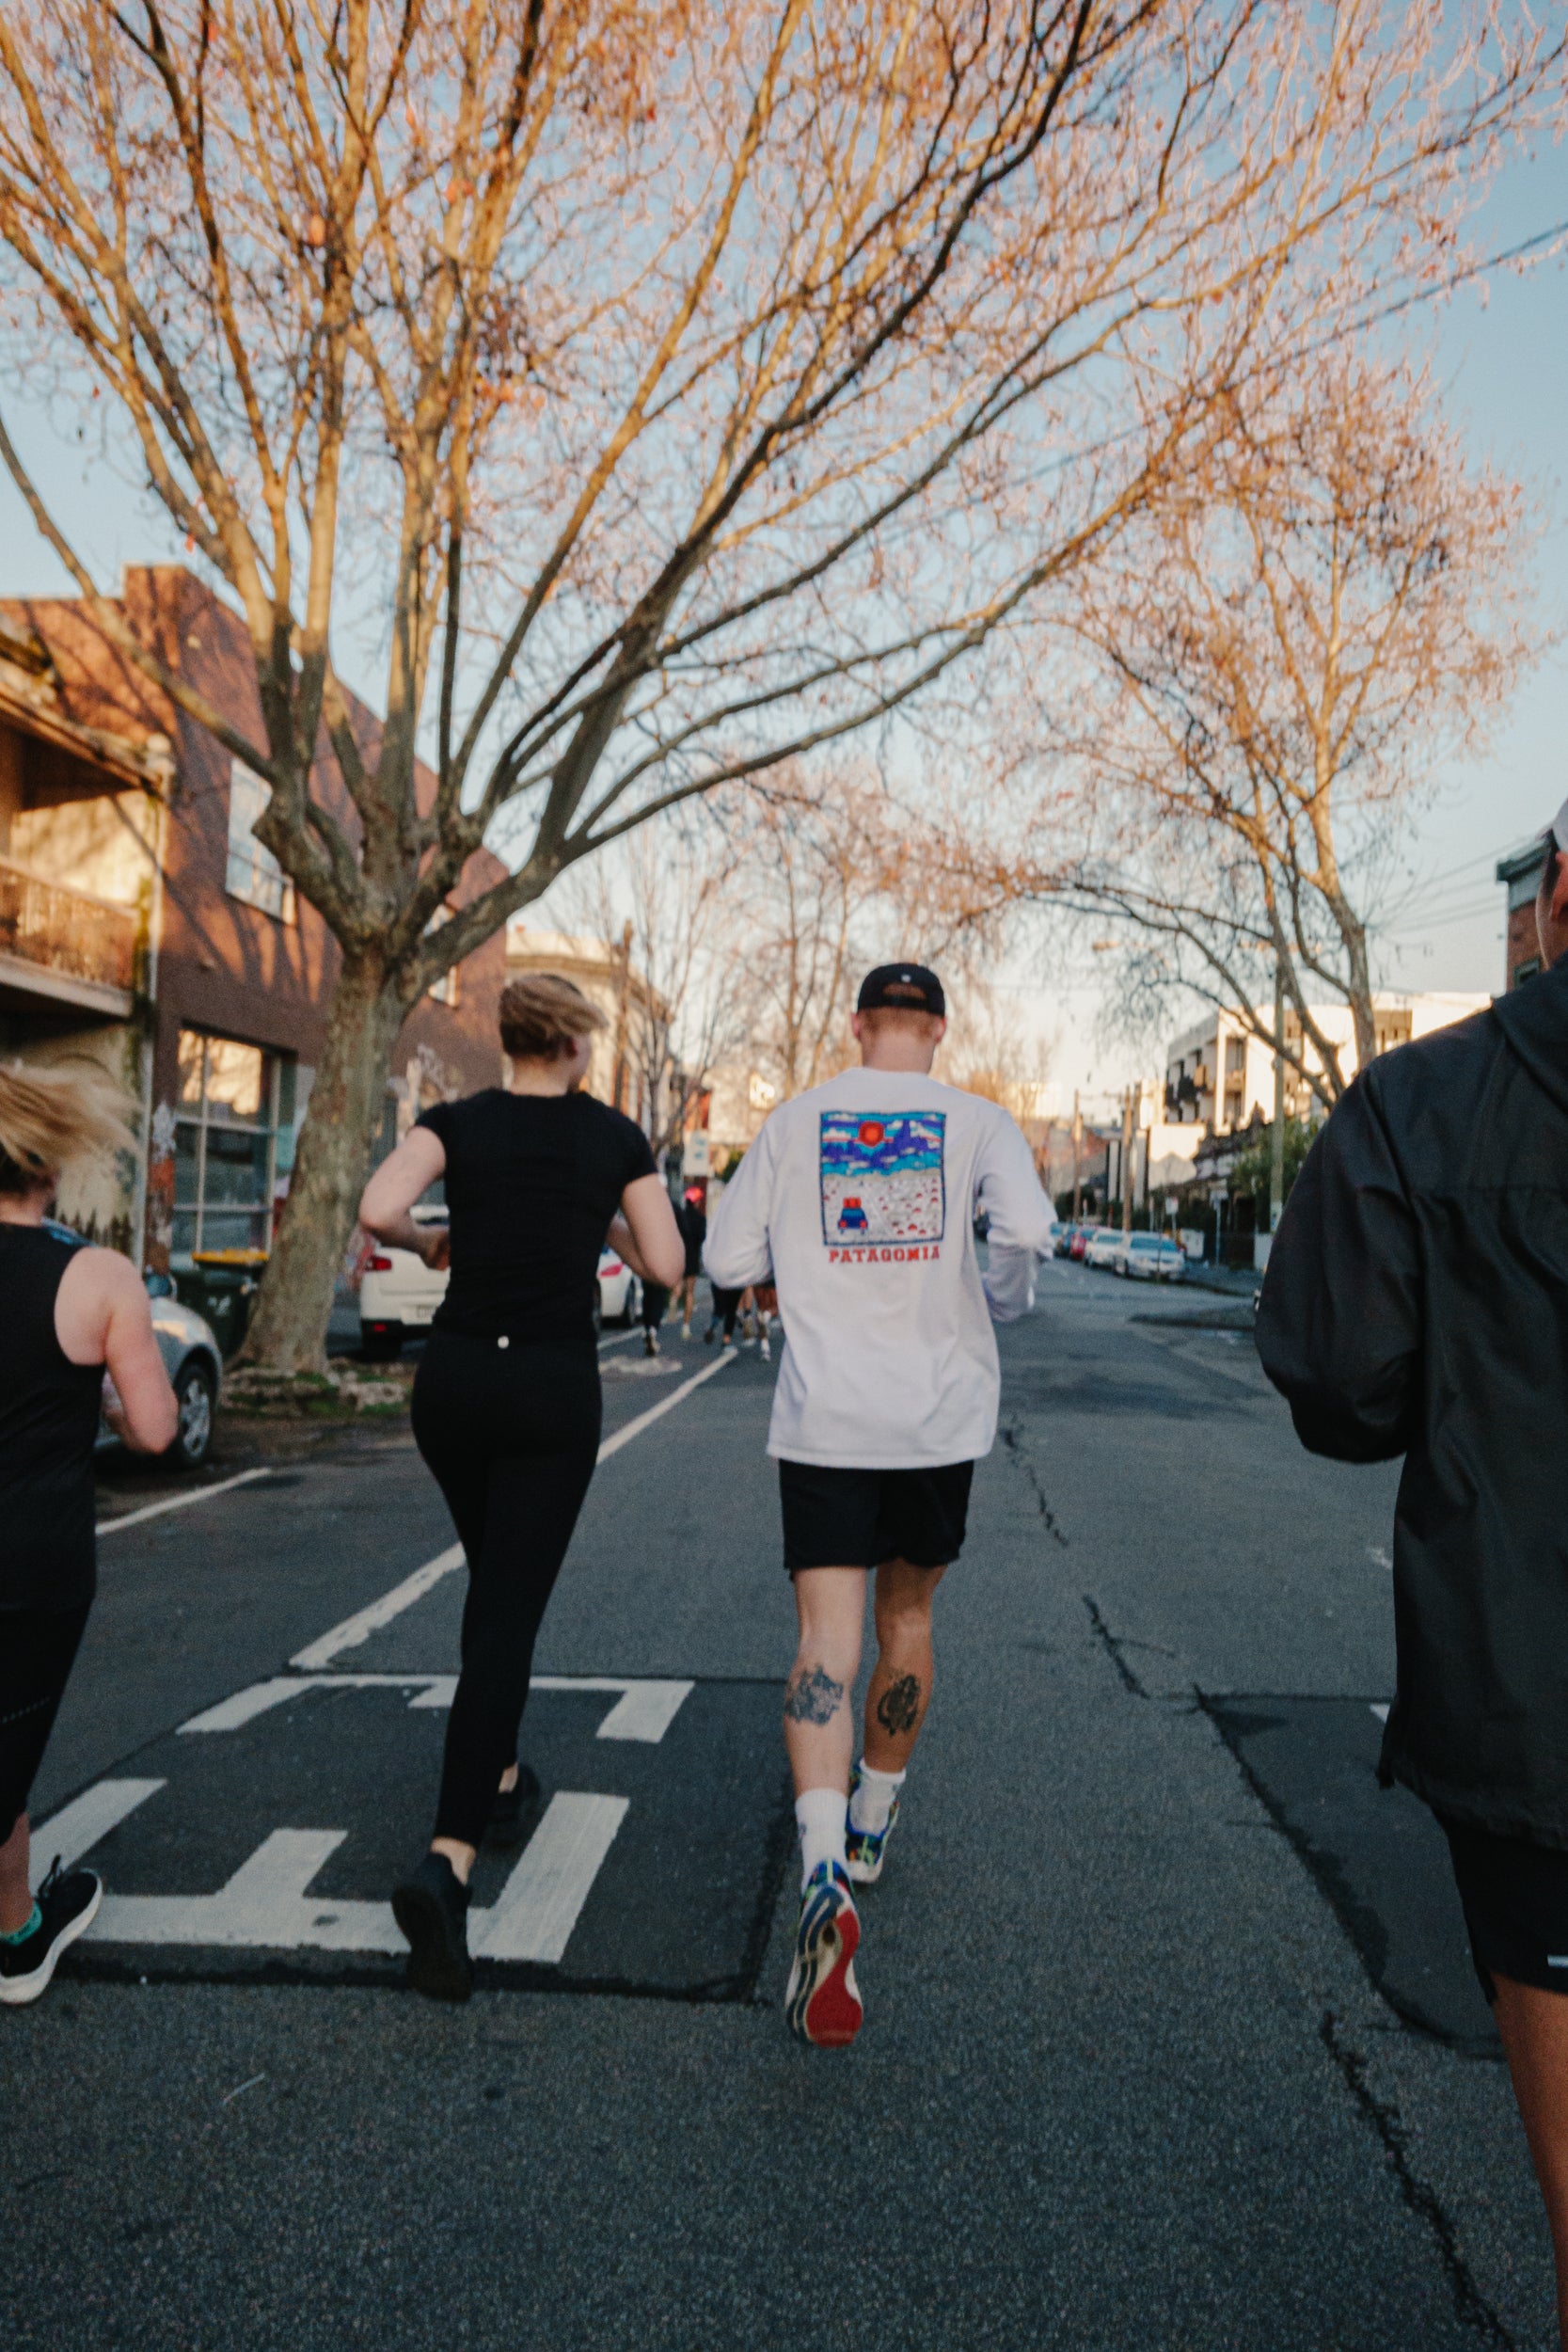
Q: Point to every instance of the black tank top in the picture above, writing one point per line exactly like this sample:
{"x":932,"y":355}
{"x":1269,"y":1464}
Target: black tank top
{"x":48,"y":1423}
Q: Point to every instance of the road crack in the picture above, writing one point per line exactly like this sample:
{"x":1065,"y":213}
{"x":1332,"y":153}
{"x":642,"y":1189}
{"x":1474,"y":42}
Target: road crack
{"x":1112,"y":1648}
{"x":1471,"y":2306}
{"x":1015,"y":1446}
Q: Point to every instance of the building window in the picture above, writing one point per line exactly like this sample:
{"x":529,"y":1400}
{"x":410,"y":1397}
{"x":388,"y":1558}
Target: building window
{"x":254,"y":874}
{"x":234,"y":1098}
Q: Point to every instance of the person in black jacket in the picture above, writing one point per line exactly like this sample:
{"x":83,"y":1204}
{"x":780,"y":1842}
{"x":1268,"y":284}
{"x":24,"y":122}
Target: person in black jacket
{"x":1416,"y":1303}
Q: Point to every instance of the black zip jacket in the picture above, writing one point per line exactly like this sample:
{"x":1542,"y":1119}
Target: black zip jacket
{"x":1416,"y":1303}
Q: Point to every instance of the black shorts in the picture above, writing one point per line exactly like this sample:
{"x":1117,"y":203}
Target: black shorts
{"x":37,"y":1649}
{"x":1516,"y":1898}
{"x":857,"y":1519}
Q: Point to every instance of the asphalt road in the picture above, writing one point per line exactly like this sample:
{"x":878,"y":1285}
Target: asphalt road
{"x":1170,"y":2040}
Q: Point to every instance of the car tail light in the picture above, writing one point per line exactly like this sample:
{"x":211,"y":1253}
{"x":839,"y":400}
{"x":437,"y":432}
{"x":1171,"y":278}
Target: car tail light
{"x":614,"y":1268}
{"x":378,"y":1266}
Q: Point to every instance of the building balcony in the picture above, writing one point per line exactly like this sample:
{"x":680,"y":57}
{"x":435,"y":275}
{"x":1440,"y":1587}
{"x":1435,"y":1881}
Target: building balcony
{"x":64,"y":945}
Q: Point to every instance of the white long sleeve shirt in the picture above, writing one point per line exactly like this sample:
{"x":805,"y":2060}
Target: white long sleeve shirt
{"x":859,"y":1200}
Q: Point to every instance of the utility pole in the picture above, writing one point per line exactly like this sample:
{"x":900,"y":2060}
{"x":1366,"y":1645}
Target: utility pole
{"x":1077,"y":1159}
{"x":1276,"y":1141}
{"x":1127,"y":1101}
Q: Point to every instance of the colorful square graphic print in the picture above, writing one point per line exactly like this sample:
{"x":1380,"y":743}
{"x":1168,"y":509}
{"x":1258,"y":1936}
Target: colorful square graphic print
{"x":883,"y":1176}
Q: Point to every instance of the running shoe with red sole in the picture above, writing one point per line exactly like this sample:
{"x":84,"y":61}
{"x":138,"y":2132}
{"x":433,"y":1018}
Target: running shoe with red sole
{"x":822,"y":2002}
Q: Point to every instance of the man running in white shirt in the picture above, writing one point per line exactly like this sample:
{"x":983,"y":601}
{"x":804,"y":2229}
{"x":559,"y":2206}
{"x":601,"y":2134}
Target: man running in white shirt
{"x":858,"y":1200}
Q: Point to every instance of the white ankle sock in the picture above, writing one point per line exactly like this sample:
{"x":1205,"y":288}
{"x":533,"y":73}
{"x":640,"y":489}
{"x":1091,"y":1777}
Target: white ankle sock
{"x":873,"y":1799}
{"x":819,"y":1817}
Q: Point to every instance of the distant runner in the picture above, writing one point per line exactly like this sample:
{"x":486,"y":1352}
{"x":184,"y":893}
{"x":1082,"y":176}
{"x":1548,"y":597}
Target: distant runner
{"x":858,"y":1201}
{"x":692,"y":1220}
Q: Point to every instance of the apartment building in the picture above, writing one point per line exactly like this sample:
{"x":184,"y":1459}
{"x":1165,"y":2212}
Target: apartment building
{"x":143,"y":928}
{"x":1220,"y":1077}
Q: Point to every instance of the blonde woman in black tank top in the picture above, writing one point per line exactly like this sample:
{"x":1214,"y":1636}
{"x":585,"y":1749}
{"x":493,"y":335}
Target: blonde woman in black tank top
{"x":71,"y":1314}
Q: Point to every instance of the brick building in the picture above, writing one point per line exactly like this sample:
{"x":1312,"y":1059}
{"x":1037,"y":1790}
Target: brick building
{"x":1520,"y":876}
{"x":143,"y":927}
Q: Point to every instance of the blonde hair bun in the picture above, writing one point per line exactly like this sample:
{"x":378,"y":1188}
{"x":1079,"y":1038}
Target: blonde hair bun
{"x":543,"y":1016}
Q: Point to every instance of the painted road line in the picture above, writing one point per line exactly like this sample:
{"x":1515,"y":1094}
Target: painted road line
{"x":267,"y":1904}
{"x":619,"y":1339}
{"x":541,"y":1901}
{"x":259,"y":1698}
{"x":656,"y":1412}
{"x":1380,"y":1708}
{"x":182,"y":1503}
{"x":645,"y":1712}
{"x":359,"y":1628}
{"x":364,"y":1622}
{"x":77,"y":1827}
{"x":644,"y":1709}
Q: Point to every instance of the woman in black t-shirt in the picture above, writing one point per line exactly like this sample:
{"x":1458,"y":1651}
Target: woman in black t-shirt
{"x":506,"y":1400}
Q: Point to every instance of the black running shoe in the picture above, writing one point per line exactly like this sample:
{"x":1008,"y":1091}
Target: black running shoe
{"x":512,"y":1809}
{"x":432,"y":1908}
{"x":68,"y":1902}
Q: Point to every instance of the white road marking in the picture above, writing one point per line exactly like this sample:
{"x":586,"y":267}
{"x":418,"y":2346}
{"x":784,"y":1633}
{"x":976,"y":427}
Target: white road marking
{"x":646,"y":1711}
{"x":619,"y":1339}
{"x":656,"y":1412}
{"x":364,"y":1622}
{"x":267,"y":1904}
{"x":359,"y":1628}
{"x":259,"y":1698}
{"x":541,"y":1901}
{"x":77,"y":1827}
{"x":182,"y":1503}
{"x":1380,"y":1708}
{"x":643,"y":1710}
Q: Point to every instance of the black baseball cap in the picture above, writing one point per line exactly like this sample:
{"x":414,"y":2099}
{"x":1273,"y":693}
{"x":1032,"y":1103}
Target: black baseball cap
{"x":892,"y":984}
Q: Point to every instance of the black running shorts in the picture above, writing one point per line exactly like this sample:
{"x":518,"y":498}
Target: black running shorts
{"x":857,"y":1519}
{"x":1516,"y":1898}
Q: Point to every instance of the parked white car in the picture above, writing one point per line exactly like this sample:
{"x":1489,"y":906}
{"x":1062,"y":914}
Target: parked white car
{"x":1104,"y":1249}
{"x":1153,"y":1258}
{"x":398,"y":1294}
{"x":189,"y":1348}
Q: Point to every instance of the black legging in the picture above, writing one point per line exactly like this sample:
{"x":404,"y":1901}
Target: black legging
{"x":510,"y":1434}
{"x":726,"y":1304}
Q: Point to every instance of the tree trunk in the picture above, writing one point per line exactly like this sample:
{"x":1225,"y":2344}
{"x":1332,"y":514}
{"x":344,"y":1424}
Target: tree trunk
{"x":287,"y":1330}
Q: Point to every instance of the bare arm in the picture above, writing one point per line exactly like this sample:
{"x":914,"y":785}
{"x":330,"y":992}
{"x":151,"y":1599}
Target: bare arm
{"x":646,"y":1234}
{"x":103,"y":1316}
{"x":419,"y":1162}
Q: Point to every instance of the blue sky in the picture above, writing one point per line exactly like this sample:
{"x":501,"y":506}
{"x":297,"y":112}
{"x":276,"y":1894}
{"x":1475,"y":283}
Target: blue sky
{"x":1502,"y":355}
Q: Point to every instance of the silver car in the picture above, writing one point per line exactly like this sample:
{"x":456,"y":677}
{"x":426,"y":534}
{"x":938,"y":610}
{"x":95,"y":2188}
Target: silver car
{"x":192,"y":1359}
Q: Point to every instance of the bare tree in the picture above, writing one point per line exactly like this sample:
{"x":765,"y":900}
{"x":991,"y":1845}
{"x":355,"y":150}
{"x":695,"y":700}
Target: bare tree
{"x":681,"y":387}
{"x":669,"y":891}
{"x":1286,"y":646}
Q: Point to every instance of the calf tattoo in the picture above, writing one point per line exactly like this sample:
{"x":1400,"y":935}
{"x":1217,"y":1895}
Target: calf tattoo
{"x":898,"y":1706}
{"x":813,"y":1697}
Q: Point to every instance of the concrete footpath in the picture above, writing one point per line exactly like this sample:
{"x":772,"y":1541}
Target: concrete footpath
{"x":1127,"y":2077}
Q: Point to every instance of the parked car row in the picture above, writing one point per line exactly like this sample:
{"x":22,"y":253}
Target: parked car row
{"x":398,"y":1294}
{"x":1140,"y":1257}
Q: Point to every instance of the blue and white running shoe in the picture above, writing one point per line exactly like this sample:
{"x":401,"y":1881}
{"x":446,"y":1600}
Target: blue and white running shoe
{"x":822,"y":2002}
{"x":865,"y":1848}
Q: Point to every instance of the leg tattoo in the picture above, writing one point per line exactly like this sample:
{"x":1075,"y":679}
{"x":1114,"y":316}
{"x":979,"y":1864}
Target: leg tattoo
{"x":812,"y":1696}
{"x":899,"y":1707}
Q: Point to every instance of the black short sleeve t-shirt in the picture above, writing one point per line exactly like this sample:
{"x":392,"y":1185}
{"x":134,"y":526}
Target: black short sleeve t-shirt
{"x":532,"y":1182}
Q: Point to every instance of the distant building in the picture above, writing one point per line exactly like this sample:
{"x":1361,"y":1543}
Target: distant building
{"x":1219,"y":1075}
{"x":144,"y":929}
{"x":1520,"y":876}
